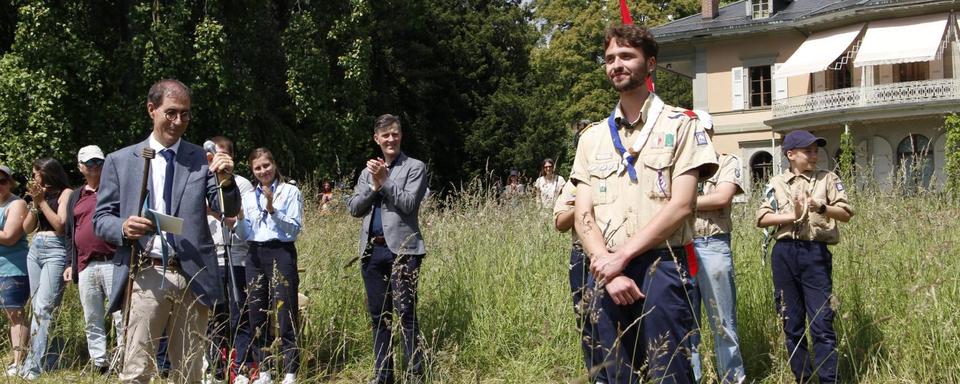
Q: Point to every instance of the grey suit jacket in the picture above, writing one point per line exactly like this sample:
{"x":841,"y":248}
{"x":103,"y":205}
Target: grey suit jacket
{"x":194,"y":186}
{"x":400,"y":206}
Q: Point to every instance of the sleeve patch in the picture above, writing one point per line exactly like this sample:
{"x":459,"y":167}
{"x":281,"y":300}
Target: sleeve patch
{"x":839,"y":187}
{"x":701,"y":138}
{"x":690,"y":114}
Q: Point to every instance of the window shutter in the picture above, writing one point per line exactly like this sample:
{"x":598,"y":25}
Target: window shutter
{"x":779,"y":84}
{"x":737,"y":87}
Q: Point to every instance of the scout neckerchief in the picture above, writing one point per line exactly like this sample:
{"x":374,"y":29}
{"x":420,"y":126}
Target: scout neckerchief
{"x":629,"y":157}
{"x":259,"y":191}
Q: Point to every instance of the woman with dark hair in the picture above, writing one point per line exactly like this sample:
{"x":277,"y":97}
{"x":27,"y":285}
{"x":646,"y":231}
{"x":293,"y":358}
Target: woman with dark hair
{"x":326,"y":195}
{"x":47,"y":256}
{"x":14,"y":284}
{"x":549,"y":183}
{"x":272,"y":219}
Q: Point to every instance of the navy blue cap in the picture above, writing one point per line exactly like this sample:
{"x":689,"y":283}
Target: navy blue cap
{"x":801,"y":139}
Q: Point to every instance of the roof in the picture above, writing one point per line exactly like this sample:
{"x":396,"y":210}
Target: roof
{"x":733,"y":18}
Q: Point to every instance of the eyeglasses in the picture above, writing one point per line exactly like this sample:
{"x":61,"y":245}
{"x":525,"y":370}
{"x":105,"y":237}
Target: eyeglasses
{"x":172,"y":115}
{"x":93,"y":163}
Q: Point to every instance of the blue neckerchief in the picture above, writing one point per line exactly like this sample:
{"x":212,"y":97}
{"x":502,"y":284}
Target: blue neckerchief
{"x":612,"y":122}
{"x":259,"y":191}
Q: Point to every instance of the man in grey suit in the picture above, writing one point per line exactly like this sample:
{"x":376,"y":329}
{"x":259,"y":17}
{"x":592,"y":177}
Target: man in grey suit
{"x":388,"y":196}
{"x":177,"y":277}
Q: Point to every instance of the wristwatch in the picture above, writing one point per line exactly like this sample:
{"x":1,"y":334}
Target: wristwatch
{"x":822,"y":209}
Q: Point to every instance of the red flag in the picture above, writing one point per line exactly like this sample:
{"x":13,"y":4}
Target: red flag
{"x":625,"y":12}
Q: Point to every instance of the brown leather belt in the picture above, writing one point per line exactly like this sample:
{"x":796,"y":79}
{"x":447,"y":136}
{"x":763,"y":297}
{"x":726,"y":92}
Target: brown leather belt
{"x":378,"y":240}
{"x":95,"y":257}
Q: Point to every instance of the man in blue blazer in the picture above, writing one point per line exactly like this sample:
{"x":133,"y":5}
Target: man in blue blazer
{"x":177,"y":278}
{"x":388,"y":196}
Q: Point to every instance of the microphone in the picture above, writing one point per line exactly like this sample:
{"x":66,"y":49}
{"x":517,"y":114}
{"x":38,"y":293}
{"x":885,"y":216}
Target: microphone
{"x":211,"y":149}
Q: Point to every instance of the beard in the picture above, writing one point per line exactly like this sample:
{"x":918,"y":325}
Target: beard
{"x":634,"y":81}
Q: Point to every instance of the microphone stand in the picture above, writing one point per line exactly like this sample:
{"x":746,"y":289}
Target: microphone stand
{"x":231,"y":286}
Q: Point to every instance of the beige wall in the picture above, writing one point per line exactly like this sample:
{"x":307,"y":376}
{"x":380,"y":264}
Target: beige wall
{"x":723,"y":56}
{"x":730,"y":142}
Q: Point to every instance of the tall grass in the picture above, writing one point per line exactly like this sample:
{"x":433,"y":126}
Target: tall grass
{"x":494,"y":302}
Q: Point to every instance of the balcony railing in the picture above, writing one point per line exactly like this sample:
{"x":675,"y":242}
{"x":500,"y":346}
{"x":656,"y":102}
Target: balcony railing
{"x":875,"y":95}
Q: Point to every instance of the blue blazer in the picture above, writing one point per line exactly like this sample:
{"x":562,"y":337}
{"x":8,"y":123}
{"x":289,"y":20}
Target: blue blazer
{"x":194,"y":186}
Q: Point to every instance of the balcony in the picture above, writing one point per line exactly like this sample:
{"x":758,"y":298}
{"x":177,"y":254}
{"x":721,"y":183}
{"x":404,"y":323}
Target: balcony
{"x":897,"y":100}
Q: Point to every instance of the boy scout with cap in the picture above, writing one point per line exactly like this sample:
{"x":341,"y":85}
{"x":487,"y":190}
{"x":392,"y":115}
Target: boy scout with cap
{"x":715,"y":279}
{"x":636,"y":175}
{"x":805,"y":204}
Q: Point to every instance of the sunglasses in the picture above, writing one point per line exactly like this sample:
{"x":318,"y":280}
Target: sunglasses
{"x":93,"y":163}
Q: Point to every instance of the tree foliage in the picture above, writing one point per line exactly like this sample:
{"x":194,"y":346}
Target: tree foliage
{"x":480,"y":86}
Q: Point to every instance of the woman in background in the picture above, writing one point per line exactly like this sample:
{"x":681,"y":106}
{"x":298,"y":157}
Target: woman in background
{"x":47,"y":256}
{"x":14,"y":284}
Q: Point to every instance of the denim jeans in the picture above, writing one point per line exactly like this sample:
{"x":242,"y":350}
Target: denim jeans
{"x":96,"y":284}
{"x":45,"y":263}
{"x":718,"y":293}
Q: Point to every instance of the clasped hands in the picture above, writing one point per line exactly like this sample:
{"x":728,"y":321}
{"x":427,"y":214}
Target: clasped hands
{"x":608,"y":267}
{"x":811,"y":204}
{"x":378,"y":172}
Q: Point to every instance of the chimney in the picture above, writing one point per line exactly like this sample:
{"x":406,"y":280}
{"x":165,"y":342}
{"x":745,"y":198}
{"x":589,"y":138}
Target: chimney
{"x":709,"y":9}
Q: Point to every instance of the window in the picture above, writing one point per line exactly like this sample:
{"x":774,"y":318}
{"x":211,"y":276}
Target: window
{"x":915,"y":162}
{"x":761,"y":167}
{"x":761,"y":9}
{"x":760,"y":95}
{"x":911,"y":72}
{"x":839,"y":78}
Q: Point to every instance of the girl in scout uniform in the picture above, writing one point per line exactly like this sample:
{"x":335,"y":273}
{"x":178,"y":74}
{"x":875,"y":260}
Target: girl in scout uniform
{"x":805,"y":204}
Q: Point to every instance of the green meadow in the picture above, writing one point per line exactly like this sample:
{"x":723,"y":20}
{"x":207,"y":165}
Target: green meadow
{"x":495,"y":306}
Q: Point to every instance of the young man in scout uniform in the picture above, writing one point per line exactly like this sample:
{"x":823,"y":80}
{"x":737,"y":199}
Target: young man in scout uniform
{"x":636,"y":175}
{"x":715,"y":279}
{"x":805,"y":204}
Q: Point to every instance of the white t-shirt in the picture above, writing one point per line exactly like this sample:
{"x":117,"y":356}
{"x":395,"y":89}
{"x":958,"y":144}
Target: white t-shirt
{"x":549,"y":189}
{"x":238,"y":247}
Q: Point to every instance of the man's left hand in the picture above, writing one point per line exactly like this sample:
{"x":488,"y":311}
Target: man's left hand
{"x":607,"y":265}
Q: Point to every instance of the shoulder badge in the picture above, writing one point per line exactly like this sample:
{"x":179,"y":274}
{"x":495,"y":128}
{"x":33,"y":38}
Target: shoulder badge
{"x":690,"y":114}
{"x":701,"y":137}
{"x":839,"y":186}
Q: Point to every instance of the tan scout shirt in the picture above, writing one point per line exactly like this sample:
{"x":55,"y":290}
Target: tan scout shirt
{"x":622,"y":207}
{"x":823,"y":186}
{"x":567,"y":193}
{"x":718,"y":221}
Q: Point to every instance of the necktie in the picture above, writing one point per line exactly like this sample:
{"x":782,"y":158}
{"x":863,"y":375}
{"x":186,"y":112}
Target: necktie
{"x":168,"y":155}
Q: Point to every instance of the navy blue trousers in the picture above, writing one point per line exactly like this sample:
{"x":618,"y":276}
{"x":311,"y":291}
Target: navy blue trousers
{"x":265,"y":292}
{"x":582,"y":286}
{"x":390,"y":282}
{"x":229,"y":321}
{"x":803,"y":287}
{"x":650,"y":339}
